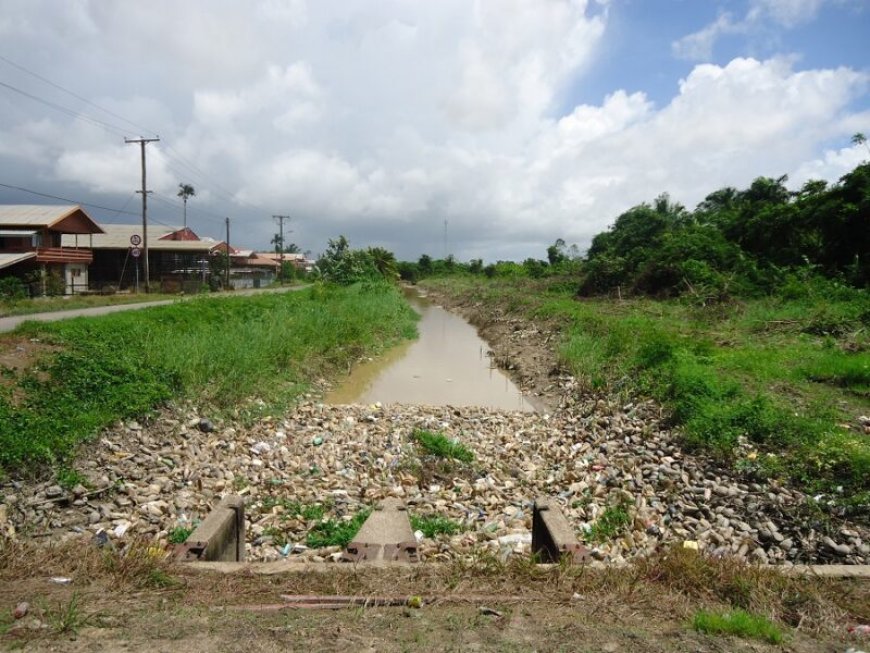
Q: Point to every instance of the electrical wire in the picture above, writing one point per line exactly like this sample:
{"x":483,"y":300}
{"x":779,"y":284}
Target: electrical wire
{"x":70,"y":112}
{"x":74,"y":94}
{"x":66,"y":199}
{"x":171,"y":154}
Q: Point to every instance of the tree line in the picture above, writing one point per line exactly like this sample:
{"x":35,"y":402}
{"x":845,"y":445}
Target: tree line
{"x":734,"y":243}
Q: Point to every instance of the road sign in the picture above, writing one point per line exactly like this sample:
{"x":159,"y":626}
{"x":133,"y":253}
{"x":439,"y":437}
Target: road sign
{"x":135,"y":252}
{"x":135,"y":240}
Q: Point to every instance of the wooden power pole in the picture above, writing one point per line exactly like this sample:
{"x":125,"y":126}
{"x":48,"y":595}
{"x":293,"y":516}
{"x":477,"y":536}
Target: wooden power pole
{"x":142,"y":142}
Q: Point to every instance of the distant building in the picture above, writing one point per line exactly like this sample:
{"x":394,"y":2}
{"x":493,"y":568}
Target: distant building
{"x":178,"y":259}
{"x":298,"y":260}
{"x":33,"y":246}
{"x":249,"y":269}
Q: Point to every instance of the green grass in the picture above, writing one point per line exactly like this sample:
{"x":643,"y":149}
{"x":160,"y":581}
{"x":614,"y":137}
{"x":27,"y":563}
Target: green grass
{"x":308,"y":512}
{"x":614,"y":521}
{"x":441,"y":446}
{"x":66,"y":617}
{"x":179,"y":534}
{"x":783,"y":373}
{"x":334,"y":532}
{"x":69,"y":478}
{"x":739,"y":623}
{"x":217,"y":352}
{"x":433,"y":525}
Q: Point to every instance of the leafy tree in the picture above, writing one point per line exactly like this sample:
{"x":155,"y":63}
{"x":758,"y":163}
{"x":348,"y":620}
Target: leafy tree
{"x":424,"y":265}
{"x":556,"y":252}
{"x":342,"y":265}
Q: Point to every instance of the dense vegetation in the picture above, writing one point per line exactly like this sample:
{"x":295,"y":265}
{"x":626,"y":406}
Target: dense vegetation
{"x":748,"y":319}
{"x":217,"y":351}
{"x":736,"y":243}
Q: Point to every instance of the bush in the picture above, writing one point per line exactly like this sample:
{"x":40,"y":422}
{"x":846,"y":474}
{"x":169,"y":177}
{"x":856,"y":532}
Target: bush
{"x":12,"y":288}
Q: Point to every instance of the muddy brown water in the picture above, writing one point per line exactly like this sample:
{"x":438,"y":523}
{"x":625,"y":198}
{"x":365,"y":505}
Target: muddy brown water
{"x":449,"y":364}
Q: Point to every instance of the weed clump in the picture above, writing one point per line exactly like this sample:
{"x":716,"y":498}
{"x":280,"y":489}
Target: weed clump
{"x":440,"y":446}
{"x":332,"y":532}
{"x":739,"y":623}
{"x":612,"y":523}
{"x":432,"y":525}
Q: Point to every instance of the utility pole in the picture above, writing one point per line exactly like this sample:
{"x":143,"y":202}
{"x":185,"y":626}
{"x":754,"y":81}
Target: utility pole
{"x":142,"y":142}
{"x":227,"y":285}
{"x":445,"y":239}
{"x":280,"y":219}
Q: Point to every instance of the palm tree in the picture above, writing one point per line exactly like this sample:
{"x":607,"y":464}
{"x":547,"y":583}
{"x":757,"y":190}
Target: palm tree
{"x":859,"y":139}
{"x":385,"y":262}
{"x":185,"y":191}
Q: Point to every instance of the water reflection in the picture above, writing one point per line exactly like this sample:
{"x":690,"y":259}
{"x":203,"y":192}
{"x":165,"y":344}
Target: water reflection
{"x":447,"y":365}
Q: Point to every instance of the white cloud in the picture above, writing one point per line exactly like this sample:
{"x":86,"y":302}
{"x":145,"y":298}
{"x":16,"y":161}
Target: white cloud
{"x":832,"y":165}
{"x":698,"y":46}
{"x":382,"y":120}
{"x":788,"y":13}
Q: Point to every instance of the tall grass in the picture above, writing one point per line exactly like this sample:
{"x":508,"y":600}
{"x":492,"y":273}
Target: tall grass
{"x":784,"y":373}
{"x":217,"y":351}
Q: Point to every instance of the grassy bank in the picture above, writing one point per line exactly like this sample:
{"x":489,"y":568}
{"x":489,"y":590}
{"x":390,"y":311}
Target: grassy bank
{"x":93,"y":371}
{"x":775,"y":385}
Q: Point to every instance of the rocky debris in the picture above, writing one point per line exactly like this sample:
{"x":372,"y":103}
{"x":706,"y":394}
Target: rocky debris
{"x":323,"y":462}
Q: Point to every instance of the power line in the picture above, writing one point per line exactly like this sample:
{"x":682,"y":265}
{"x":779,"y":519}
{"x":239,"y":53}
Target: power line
{"x":170,"y":152}
{"x":170,"y":202}
{"x":62,"y":109}
{"x":75,"y":95}
{"x":66,"y":199}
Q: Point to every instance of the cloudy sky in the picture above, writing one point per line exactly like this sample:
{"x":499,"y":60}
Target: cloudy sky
{"x":515,"y":122}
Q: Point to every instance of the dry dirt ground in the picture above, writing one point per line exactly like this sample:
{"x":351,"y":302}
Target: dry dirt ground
{"x":138,"y":602}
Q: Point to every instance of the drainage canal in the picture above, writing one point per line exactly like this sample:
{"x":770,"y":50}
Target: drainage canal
{"x":449,"y":364}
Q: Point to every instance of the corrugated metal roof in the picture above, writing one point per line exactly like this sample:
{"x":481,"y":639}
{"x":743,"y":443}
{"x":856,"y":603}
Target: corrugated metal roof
{"x":69,"y":218}
{"x":34,"y":215}
{"x":117,"y":236}
{"x":11,"y":259}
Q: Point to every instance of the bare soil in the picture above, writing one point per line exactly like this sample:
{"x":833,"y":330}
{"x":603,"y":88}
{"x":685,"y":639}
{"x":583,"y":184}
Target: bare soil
{"x":112,"y":605}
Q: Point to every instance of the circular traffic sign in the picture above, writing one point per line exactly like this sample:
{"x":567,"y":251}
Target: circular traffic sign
{"x":135,"y":252}
{"x":135,"y":240}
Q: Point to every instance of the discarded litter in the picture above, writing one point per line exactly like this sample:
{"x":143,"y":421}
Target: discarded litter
{"x":20,"y":610}
{"x":60,"y":580}
{"x":690,"y":544}
{"x":860,"y":629}
{"x":317,"y":441}
{"x":100,"y":539}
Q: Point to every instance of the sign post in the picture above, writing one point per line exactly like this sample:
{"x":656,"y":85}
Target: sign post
{"x":135,"y":252}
